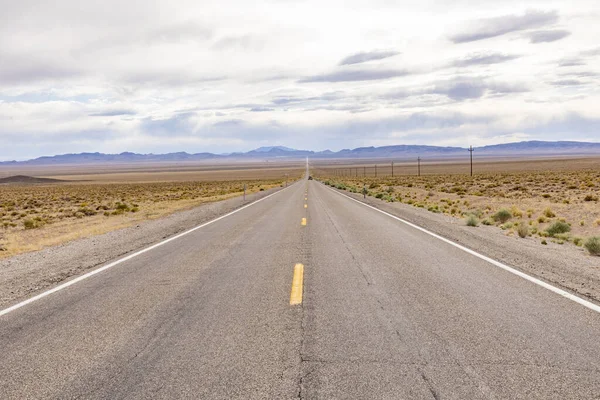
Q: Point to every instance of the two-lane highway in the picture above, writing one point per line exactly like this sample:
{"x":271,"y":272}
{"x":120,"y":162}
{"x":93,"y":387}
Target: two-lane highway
{"x":305,"y":294}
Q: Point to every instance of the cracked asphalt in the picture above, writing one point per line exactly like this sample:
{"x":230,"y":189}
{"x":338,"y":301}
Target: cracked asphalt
{"x":387,"y":313}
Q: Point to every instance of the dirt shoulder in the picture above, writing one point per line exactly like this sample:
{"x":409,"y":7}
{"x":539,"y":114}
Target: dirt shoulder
{"x":27,"y":274}
{"x":565,"y":266}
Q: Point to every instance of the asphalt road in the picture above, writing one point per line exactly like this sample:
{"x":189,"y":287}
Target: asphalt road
{"x":384,"y":312}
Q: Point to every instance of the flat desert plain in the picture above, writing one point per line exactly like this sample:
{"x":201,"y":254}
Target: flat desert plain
{"x":68,"y":202}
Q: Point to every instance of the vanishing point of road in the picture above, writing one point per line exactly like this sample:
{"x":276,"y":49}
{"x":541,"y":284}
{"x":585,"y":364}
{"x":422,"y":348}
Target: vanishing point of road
{"x":303,"y":294}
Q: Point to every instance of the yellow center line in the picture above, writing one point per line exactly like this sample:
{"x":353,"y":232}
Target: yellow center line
{"x":303,"y":223}
{"x":306,"y":206}
{"x":297,"y":284}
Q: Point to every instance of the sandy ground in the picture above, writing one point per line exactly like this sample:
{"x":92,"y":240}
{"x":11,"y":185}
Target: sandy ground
{"x":26,"y":274}
{"x":565,"y":266}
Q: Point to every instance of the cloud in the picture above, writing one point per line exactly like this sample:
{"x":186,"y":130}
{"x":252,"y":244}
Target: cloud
{"x":571,"y":62}
{"x":169,"y":78}
{"x":484,"y":59}
{"x":461,"y":90}
{"x":465,"y":88}
{"x":356,"y":75}
{"x":591,"y":52}
{"x":260,"y":109}
{"x":113,"y":113}
{"x":24,"y":68}
{"x":568,"y":82}
{"x":243,"y":42}
{"x":498,"y":26}
{"x":368,"y":56}
{"x":178,"y":33}
{"x":546,"y":36}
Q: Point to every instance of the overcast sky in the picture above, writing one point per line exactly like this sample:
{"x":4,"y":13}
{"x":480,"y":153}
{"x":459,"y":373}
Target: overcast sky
{"x":222,"y":76}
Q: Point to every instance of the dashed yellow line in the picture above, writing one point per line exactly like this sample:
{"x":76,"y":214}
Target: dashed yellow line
{"x":306,"y":206}
{"x":297,"y":285}
{"x":303,"y":223}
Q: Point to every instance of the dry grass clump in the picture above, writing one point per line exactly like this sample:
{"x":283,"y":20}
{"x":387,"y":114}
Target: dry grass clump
{"x":523,"y":230}
{"x":472,"y":220}
{"x":593,"y":245}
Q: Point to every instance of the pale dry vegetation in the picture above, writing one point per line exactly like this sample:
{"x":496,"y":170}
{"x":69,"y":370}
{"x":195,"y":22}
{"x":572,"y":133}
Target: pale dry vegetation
{"x":35,"y":216}
{"x":561,"y":206}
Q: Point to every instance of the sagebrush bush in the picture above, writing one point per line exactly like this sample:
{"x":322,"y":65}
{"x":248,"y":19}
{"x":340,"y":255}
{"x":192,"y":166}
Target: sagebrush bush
{"x":523,"y":230}
{"x":472,"y":220}
{"x":558,"y":227}
{"x":29,"y":224}
{"x":502,"y":216}
{"x":593,"y":245}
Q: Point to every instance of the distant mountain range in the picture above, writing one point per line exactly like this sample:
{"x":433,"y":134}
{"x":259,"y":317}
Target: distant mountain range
{"x":520,"y":149}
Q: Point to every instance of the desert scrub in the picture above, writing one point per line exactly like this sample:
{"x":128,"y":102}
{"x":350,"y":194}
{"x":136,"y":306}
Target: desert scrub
{"x":593,"y":245}
{"x":25,"y":207}
{"x":548,"y":213}
{"x":472,"y":220}
{"x":523,"y":230}
{"x":558,"y":227}
{"x":502,"y":216}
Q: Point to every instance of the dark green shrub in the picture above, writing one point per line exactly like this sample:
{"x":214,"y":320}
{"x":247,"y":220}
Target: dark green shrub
{"x":472,"y":220}
{"x":502,"y":216}
{"x":558,"y":227}
{"x":593,"y":245}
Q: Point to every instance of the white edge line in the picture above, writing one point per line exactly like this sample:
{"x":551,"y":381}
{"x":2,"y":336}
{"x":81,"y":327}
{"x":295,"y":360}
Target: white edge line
{"x":129,"y":257}
{"x":498,"y":264}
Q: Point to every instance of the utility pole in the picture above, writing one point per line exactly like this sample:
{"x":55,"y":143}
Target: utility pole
{"x":375,"y":170}
{"x":244,"y":192}
{"x":471,"y":149}
{"x":364,"y":171}
{"x":392,"y":169}
{"x":419,"y":166}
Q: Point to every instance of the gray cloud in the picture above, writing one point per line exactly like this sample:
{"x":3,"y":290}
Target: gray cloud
{"x":492,"y":27}
{"x":484,"y":59}
{"x":591,"y":52}
{"x":16,"y":69}
{"x":465,"y":88}
{"x":188,"y":31}
{"x":260,"y":109}
{"x":581,"y":74}
{"x":546,"y":36}
{"x":461,"y":90}
{"x":243,"y":42}
{"x":356,"y":75}
{"x":172,"y":78}
{"x":571,"y":62}
{"x":567,"y":82}
{"x":113,"y":113}
{"x":367,"y":56}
